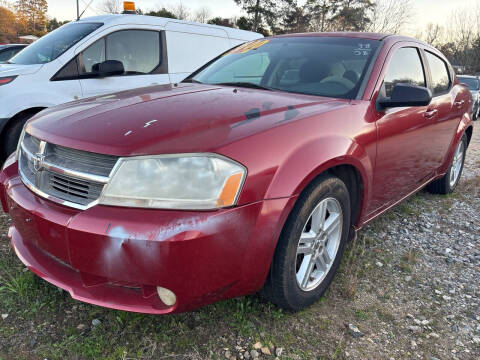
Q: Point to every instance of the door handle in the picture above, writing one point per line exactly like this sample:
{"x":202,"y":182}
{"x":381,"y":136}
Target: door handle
{"x":459,"y":104}
{"x":430,"y":113}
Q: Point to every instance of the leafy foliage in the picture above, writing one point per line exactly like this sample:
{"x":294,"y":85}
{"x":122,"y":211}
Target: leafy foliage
{"x":32,"y":16}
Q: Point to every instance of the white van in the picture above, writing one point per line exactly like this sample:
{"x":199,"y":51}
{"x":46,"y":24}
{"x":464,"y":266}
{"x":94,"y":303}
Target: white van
{"x":101,"y":55}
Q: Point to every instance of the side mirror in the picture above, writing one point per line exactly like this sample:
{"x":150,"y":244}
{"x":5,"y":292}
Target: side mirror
{"x":108,"y":68}
{"x":406,"y":95}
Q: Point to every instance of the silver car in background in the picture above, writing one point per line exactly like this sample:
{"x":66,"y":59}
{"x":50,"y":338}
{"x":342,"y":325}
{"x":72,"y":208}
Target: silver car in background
{"x":473,"y":84}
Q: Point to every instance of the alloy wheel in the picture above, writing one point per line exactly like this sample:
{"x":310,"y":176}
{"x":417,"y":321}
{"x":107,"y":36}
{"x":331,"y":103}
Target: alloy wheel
{"x":457,"y":164}
{"x":318,"y":244}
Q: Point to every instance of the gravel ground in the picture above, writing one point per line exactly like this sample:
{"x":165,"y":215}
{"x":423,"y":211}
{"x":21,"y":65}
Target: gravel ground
{"x":431,"y":277}
{"x":408,"y":288}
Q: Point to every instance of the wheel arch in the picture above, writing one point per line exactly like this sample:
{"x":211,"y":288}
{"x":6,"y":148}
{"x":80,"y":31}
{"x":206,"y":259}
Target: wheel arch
{"x":30,"y":111}
{"x":469,"y":133}
{"x":342,"y":157}
{"x":353,"y":178}
{"x":8,"y":125}
{"x":464,"y":127}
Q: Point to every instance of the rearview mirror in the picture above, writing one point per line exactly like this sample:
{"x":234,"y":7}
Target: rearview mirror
{"x":108,"y":68}
{"x":406,"y":95}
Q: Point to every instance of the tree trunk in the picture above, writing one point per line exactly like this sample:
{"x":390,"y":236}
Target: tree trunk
{"x":257,"y":16}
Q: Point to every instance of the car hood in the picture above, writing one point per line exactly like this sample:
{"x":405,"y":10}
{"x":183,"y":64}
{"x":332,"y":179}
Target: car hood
{"x":16,"y":69}
{"x":172,"y":119}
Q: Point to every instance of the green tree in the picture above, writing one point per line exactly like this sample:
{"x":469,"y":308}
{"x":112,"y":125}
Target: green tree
{"x":295,"y":18}
{"x":258,"y":10}
{"x":54,"y":23}
{"x":161,"y":13}
{"x":320,"y":14}
{"x":351,"y":15}
{"x":221,"y":21}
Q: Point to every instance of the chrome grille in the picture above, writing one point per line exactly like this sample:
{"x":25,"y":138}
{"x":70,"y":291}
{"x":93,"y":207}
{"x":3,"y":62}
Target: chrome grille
{"x":71,"y":177}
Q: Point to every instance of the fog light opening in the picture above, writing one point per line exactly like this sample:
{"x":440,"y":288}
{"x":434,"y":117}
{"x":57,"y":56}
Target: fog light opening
{"x":167,"y":296}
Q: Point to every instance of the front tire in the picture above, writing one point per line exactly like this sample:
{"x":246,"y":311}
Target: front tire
{"x":311,"y":245}
{"x":448,"y":183}
{"x":11,"y":135}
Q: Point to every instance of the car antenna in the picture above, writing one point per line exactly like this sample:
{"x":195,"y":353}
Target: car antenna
{"x":80,"y":15}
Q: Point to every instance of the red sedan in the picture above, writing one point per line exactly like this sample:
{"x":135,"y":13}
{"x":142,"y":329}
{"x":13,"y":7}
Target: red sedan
{"x":250,"y":175}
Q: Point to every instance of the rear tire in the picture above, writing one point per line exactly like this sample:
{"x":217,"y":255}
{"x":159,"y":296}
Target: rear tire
{"x":448,"y":183}
{"x":311,"y":245}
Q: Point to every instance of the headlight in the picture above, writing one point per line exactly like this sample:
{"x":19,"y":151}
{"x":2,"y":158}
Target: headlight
{"x":184,"y":181}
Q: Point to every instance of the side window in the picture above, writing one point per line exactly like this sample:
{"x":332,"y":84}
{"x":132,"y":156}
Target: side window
{"x":439,"y":71}
{"x":138,"y":50}
{"x":245,"y":69}
{"x":92,"y":55}
{"x":405,"y":67}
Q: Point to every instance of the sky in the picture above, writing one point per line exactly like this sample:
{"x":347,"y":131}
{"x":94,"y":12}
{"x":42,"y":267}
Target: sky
{"x":425,"y":11}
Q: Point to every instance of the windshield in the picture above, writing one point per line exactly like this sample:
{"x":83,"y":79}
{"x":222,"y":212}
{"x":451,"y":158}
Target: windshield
{"x":324,"y":66}
{"x":54,"y":44}
{"x":471,"y":83}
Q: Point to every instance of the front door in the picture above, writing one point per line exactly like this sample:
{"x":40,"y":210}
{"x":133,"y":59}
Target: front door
{"x":140,"y":52}
{"x":403,"y":147}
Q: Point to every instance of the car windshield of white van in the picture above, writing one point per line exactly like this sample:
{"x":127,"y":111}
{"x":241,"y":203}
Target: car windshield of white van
{"x":54,"y":44}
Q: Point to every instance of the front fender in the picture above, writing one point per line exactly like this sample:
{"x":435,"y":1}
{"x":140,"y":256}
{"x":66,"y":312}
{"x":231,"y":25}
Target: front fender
{"x":315,"y":157}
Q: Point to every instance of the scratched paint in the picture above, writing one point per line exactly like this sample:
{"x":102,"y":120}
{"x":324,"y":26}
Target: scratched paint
{"x":148,"y":123}
{"x":290,"y":114}
{"x":125,"y":248}
{"x":250,"y":115}
{"x":267,"y":105}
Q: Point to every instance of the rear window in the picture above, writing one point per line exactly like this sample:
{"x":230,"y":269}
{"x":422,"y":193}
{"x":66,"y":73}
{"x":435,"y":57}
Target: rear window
{"x":439,"y":72}
{"x":54,"y":44}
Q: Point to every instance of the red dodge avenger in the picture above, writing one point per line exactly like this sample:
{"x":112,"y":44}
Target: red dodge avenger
{"x":250,"y":175}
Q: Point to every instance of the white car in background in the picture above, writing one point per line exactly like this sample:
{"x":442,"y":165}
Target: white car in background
{"x":101,"y":55}
{"x":473,"y":84}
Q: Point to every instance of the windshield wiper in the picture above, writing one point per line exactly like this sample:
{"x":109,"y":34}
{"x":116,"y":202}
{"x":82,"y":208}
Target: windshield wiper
{"x":244,"y":84}
{"x":192,"y":81}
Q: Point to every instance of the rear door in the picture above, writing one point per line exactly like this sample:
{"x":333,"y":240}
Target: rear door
{"x":141,"y":52}
{"x":447,"y":110}
{"x":404,"y":158}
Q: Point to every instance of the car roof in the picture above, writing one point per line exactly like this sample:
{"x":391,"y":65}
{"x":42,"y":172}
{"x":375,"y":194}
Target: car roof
{"x":11,"y":45}
{"x":351,"y":34}
{"x":468,"y":76}
{"x":124,"y":19}
{"x":356,"y":35}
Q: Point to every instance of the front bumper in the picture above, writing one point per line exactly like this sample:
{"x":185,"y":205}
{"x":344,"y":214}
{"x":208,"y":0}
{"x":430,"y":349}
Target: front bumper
{"x":116,"y":257}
